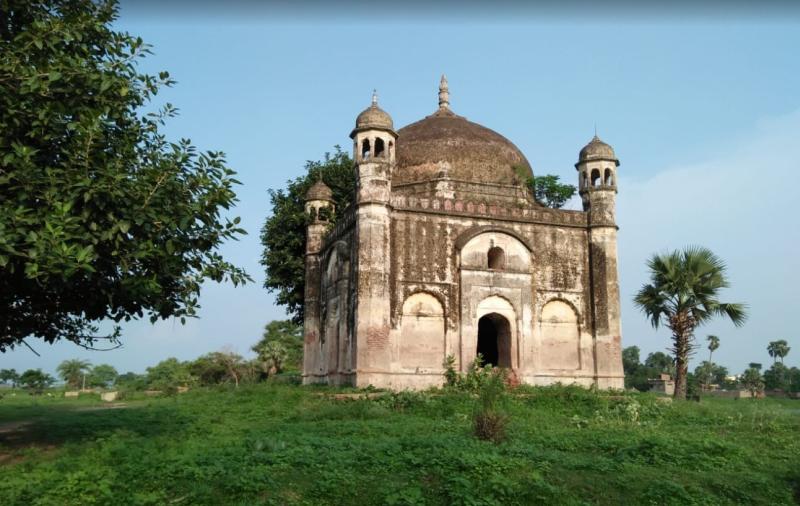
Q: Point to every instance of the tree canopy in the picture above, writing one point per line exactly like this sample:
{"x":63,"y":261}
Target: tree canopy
{"x":778,"y":349}
{"x":35,"y":380}
{"x":549,"y":191}
{"x":102,"y":375}
{"x":281,"y":343}
{"x":73,"y":371}
{"x":284,"y":233}
{"x":101,"y":217}
{"x":683,"y":294}
{"x":9,"y":376}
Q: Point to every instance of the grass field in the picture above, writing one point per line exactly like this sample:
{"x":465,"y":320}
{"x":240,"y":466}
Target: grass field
{"x":281,"y":444}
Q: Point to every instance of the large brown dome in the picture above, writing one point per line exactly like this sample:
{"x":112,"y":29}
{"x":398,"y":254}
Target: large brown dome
{"x":473,"y":152}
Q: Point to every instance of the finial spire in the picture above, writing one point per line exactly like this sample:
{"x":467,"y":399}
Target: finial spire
{"x":444,"y":94}
{"x":374,"y":98}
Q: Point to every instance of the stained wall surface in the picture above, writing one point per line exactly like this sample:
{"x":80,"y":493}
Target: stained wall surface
{"x":427,"y":249}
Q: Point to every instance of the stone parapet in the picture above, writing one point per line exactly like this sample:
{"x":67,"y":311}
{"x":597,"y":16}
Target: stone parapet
{"x":523,"y":214}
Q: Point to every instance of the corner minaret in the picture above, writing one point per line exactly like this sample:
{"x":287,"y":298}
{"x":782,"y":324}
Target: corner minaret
{"x":319,"y":207}
{"x":597,"y":173}
{"x":374,"y":141}
{"x":374,"y":136}
{"x":597,"y":183}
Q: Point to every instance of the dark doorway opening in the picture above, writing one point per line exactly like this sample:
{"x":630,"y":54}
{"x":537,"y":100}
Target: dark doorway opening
{"x":494,"y":340}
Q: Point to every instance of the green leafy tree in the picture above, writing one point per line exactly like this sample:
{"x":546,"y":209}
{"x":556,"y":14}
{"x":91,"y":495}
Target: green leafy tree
{"x":778,"y":350}
{"x":794,"y":379}
{"x":102,"y":375}
{"x":630,"y":359}
{"x":208,"y":370}
{"x":131,"y":381}
{"x":35,"y":380}
{"x":289,"y":335}
{"x":284,"y":233}
{"x":711,"y":373}
{"x":101,"y":217}
{"x":9,"y":376}
{"x":752,"y":381}
{"x":637,"y":375}
{"x":683,"y":294}
{"x":550,"y":192}
{"x":168,"y":375}
{"x":272,"y":355}
{"x":232,"y":363}
{"x":73,"y":372}
{"x":754,"y":365}
{"x":778,"y":377}
{"x":661,"y":363}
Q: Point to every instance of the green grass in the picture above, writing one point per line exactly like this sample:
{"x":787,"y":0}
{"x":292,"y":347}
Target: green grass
{"x":281,"y":444}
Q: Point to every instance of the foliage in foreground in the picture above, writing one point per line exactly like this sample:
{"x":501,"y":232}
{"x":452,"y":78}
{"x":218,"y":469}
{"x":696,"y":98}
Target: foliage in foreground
{"x":283,"y":445}
{"x":100,"y":216}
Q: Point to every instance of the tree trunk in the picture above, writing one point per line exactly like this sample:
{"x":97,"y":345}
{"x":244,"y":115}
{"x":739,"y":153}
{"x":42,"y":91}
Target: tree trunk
{"x":681,"y":370}
{"x":682,"y":326}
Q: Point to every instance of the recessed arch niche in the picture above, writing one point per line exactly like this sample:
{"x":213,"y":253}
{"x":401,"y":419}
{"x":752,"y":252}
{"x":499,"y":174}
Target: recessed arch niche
{"x":422,"y":332}
{"x":560,"y":335}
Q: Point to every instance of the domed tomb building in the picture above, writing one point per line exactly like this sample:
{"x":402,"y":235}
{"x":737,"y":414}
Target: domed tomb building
{"x":445,"y":252}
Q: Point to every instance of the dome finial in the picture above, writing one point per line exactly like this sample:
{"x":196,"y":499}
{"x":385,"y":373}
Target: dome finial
{"x":444,"y":94}
{"x":375,"y":98}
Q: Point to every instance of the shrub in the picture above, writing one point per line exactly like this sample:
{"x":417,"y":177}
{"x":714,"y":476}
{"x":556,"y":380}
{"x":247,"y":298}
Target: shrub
{"x":490,"y":418}
{"x":471,"y":381}
{"x":450,"y":374}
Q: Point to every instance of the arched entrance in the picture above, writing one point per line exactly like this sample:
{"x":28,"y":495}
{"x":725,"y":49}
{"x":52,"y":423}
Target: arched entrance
{"x":494,"y":340}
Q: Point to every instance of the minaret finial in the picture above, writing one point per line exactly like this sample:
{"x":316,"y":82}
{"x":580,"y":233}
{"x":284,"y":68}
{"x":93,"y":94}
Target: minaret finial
{"x":444,"y":94}
{"x":374,"y":98}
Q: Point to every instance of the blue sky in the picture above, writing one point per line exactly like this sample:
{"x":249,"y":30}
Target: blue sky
{"x":703,"y":112}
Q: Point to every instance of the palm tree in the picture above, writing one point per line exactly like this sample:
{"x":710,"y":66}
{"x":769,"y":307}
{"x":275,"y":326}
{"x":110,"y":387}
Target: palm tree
{"x":272,"y":356}
{"x":682,"y":295}
{"x":778,"y":350}
{"x":713,"y":345}
{"x":72,"y":371}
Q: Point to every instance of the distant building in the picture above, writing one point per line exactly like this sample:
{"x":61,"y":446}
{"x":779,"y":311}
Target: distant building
{"x":664,"y":384}
{"x":445,"y":252}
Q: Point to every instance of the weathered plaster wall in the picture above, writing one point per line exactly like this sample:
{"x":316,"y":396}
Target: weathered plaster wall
{"x":402,"y":280}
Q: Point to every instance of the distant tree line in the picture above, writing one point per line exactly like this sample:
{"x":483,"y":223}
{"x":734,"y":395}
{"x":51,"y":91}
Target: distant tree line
{"x":709,"y":374}
{"x":279,"y":351}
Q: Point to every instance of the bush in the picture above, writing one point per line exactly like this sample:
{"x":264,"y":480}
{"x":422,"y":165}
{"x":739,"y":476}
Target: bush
{"x":474,"y":379}
{"x":490,"y":418}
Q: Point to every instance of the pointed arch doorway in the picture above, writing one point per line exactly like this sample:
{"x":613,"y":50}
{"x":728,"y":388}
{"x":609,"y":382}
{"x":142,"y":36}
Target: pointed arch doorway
{"x":494,"y":340}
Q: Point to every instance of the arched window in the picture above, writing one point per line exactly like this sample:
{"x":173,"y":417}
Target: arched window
{"x":596,"y":177}
{"x":365,"y":149}
{"x":607,"y":180}
{"x":496,"y":258}
{"x":585,"y":179}
{"x":378,"y":147}
{"x":391,"y":149}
